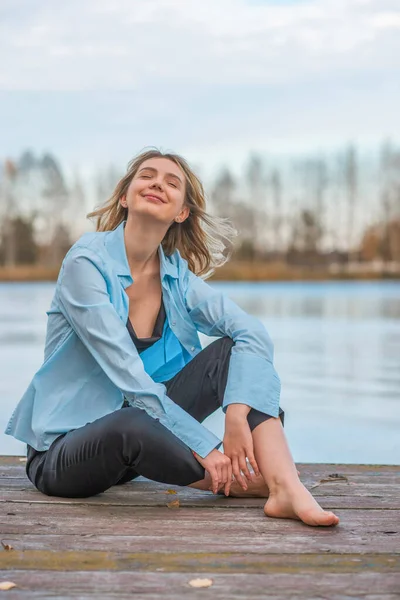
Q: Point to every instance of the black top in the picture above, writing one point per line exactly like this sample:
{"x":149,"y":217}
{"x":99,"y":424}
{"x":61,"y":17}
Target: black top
{"x":143,"y":343}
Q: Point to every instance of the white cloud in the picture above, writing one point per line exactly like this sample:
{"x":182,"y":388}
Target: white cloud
{"x":91,"y":44}
{"x":210,"y":78}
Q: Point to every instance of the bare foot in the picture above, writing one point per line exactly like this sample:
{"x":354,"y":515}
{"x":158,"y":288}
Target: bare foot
{"x":297,"y":503}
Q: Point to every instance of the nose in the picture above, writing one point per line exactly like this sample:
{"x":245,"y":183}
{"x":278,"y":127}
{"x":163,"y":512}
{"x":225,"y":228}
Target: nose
{"x":157,"y":183}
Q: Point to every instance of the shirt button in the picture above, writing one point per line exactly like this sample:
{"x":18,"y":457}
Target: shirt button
{"x":193,"y":348}
{"x":173,"y":323}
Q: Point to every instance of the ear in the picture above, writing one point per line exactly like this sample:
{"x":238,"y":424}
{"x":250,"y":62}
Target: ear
{"x":123,"y":202}
{"x":183,"y":215}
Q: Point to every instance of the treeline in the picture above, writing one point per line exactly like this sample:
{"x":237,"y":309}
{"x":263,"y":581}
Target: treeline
{"x":337,"y":211}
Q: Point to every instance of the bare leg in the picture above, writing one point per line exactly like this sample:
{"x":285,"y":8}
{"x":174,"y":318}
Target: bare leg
{"x":256,"y":488}
{"x":288,"y":498}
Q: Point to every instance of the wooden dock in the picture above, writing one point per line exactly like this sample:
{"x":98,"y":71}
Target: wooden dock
{"x":128,"y":541}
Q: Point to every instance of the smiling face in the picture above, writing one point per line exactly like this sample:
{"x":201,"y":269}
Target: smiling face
{"x":157,"y":191}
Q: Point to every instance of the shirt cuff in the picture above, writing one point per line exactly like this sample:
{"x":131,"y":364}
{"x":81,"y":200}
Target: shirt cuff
{"x":252,"y":380}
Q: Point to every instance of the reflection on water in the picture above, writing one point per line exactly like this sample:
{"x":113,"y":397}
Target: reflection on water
{"x":337,"y":351}
{"x":356,"y":300}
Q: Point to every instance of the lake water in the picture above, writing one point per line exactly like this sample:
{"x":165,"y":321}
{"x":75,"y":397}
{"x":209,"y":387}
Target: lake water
{"x":337,"y":351}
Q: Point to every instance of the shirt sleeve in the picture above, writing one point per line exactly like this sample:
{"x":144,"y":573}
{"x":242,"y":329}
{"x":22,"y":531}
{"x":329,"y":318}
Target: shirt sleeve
{"x":86,"y":304}
{"x":252,"y":378}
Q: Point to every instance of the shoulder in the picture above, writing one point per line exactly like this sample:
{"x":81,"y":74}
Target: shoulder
{"x":89,"y":246}
{"x":93,"y":241}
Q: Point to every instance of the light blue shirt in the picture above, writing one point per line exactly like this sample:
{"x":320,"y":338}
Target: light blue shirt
{"x":91,"y":364}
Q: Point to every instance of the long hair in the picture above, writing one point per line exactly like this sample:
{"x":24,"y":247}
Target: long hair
{"x":204,"y":240}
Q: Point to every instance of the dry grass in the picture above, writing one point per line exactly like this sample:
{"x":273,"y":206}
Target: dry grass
{"x":232,"y":271}
{"x":29,"y":273}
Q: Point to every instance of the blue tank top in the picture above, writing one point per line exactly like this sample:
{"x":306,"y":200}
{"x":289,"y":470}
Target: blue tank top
{"x":162,"y":354}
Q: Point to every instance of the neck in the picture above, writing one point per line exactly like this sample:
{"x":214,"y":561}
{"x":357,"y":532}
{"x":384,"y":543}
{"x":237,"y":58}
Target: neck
{"x":141,"y":243}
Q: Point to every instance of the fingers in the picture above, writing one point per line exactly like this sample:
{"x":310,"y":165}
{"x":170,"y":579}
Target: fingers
{"x":229,"y":479}
{"x":243,"y":466}
{"x":236,"y":471}
{"x":220,"y":477}
{"x":253,"y":462}
{"x":224,"y":478}
{"x":214,"y":479}
{"x":221,"y":474}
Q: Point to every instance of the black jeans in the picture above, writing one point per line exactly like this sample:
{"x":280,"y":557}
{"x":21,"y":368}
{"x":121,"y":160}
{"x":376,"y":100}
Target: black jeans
{"x":128,"y":442}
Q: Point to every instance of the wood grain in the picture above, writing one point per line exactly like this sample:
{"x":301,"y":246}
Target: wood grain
{"x":128,"y":542}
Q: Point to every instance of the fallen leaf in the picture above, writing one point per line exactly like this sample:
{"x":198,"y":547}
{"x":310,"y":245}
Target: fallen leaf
{"x":6,"y":546}
{"x":173,"y":504}
{"x":332,"y":478}
{"x":7,"y":585}
{"x":171,"y":492}
{"x":198,"y":583}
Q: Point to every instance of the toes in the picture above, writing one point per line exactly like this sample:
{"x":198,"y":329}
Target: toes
{"x":320,"y":518}
{"x":330,"y":518}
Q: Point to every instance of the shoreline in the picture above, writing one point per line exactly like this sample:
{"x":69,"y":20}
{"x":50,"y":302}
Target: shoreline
{"x":233,"y":271}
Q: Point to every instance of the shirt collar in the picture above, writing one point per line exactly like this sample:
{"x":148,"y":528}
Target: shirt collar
{"x":115,"y":245}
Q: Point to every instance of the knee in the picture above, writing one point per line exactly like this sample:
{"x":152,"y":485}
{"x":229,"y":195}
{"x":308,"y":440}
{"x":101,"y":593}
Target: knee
{"x":227,"y":341}
{"x":192,"y":473}
{"x":183,"y":468}
{"x":125,"y":423}
{"x":225,"y":344}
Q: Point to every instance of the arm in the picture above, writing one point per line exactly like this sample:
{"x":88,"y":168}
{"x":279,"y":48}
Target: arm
{"x":85,"y":303}
{"x":252,"y":379}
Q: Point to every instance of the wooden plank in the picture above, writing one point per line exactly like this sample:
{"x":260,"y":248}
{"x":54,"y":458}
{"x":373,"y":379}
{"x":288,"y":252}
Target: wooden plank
{"x":201,"y":562}
{"x":186,"y":542}
{"x":14,"y":465}
{"x":152,"y":499}
{"x":234,"y":584}
{"x":16,"y":489}
{"x":183,"y":592}
{"x":199,"y":595}
{"x":391,"y":480}
{"x":190,"y":530}
{"x":124,"y":519}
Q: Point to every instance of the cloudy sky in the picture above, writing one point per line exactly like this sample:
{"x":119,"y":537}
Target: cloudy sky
{"x":95,"y":81}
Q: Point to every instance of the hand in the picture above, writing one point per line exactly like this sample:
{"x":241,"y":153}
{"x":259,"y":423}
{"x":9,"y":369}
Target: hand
{"x":238,"y":443}
{"x":220,"y":468}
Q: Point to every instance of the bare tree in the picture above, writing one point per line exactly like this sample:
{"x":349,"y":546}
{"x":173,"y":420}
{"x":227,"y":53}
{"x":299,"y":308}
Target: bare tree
{"x":10,"y":212}
{"x":256,"y":180}
{"x":350,"y":174}
{"x":279,"y":204}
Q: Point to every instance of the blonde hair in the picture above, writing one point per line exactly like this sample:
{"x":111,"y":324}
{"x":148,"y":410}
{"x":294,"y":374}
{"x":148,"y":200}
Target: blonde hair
{"x":204,"y":240}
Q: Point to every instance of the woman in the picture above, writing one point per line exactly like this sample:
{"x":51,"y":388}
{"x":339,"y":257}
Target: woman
{"x":125,"y":383}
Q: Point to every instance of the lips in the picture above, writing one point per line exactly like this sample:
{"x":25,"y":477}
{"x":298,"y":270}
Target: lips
{"x":154,"y":198}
